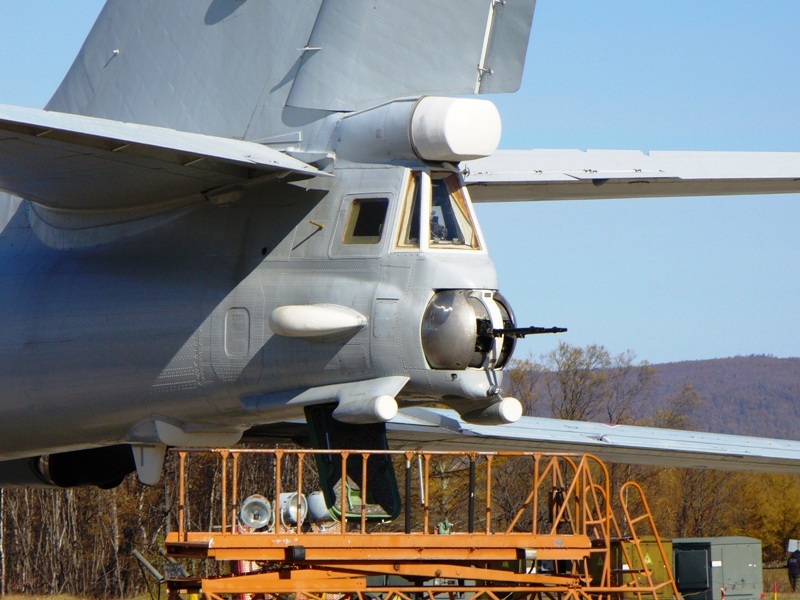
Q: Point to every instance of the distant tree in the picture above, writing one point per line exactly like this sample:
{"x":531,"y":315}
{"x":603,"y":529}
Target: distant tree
{"x":679,"y":411}
{"x":768,"y":510}
{"x":522,"y":381}
{"x":584,"y":384}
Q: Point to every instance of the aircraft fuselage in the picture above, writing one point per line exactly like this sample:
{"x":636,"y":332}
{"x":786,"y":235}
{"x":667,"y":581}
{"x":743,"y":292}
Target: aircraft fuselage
{"x":173,"y":324}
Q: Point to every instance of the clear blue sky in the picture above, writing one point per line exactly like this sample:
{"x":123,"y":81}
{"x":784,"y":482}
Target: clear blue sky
{"x":671,"y":279}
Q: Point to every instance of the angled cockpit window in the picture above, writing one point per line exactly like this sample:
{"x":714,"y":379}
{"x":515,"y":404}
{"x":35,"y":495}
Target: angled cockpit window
{"x":451,"y":222}
{"x":366,"y":220}
{"x":409,"y":227}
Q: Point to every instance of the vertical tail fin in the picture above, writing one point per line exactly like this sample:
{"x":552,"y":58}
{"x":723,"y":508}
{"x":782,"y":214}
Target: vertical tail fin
{"x":257,"y":69}
{"x":220,"y":67}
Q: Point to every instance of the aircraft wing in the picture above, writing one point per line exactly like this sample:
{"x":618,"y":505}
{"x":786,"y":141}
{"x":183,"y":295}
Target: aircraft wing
{"x":529,"y":175}
{"x":69,"y":161}
{"x":434,"y":429}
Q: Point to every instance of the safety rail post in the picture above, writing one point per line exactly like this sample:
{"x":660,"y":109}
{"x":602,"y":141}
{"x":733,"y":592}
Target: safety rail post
{"x":182,"y":497}
{"x":235,"y":493}
{"x":364,"y":491}
{"x":343,"y":494}
{"x":278,"y":476}
{"x":300,"y":516}
{"x":580,"y":504}
{"x":426,"y":494}
{"x":536,"y":484}
{"x":223,"y":455}
{"x":407,"y":508}
{"x":471,"y":506}
{"x":488,"y":528}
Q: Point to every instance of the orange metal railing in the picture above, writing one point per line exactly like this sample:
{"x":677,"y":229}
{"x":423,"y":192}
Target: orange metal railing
{"x":563,"y":492}
{"x":527,"y":524}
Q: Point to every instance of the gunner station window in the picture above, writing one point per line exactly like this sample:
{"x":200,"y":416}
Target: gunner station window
{"x":366,"y":220}
{"x":409,"y":228}
{"x":451,"y":224}
{"x":436,"y":209}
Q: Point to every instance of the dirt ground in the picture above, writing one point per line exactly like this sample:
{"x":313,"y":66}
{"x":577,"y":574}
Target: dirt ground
{"x":784,"y":591}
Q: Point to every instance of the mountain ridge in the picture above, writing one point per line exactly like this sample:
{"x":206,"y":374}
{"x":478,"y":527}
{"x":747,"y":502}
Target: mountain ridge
{"x":756,"y":395}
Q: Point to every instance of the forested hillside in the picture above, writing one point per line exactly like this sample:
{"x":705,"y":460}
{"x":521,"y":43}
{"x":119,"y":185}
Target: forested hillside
{"x":747,"y":395}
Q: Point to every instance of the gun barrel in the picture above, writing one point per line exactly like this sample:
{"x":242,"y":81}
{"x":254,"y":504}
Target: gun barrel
{"x":521,"y":332}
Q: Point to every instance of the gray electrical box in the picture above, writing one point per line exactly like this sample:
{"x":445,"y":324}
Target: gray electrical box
{"x":703,"y":566}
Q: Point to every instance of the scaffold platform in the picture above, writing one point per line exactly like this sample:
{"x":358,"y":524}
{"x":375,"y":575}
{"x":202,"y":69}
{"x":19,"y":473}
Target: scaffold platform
{"x":334,"y":525}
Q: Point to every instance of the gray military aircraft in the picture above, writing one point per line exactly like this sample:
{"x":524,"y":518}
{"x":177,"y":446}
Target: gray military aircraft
{"x":234,"y":210}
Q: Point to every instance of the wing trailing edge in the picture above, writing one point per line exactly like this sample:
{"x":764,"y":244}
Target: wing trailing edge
{"x":67,"y":161}
{"x":436,"y":429}
{"x":532,"y":175}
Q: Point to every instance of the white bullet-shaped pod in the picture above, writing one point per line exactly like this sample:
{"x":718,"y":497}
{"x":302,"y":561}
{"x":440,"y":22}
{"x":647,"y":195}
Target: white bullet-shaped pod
{"x":315,"y":320}
{"x":507,"y":410}
{"x":380,"y":409}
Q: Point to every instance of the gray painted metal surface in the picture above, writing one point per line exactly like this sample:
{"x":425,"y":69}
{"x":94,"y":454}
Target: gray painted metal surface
{"x":364,"y":53}
{"x":734,"y":565}
{"x":73,"y":162}
{"x":532,"y":175}
{"x":428,"y":428}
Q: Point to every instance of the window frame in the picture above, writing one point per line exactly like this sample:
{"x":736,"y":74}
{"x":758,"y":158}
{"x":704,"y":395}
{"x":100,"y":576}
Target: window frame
{"x":351,"y":222}
{"x":423,"y":178}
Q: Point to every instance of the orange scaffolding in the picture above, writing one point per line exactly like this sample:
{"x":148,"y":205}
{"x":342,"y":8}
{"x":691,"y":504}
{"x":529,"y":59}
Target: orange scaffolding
{"x":471,"y":525}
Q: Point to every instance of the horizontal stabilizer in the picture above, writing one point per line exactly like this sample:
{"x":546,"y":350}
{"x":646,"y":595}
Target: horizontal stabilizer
{"x":74,"y":162}
{"x":531,"y":175}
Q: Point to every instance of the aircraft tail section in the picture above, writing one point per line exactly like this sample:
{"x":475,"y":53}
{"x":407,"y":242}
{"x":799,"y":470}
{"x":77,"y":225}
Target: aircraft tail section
{"x":219,"y":67}
{"x":362,"y":53}
{"x":263,"y":71}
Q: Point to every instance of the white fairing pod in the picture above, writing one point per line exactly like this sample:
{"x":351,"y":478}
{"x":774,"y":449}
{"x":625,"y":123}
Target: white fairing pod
{"x":358,"y":411}
{"x":315,"y":320}
{"x":507,"y":410}
{"x":433,"y":129}
{"x":455,"y":129}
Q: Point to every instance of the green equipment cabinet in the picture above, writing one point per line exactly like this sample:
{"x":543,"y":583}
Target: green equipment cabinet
{"x":704,"y":566}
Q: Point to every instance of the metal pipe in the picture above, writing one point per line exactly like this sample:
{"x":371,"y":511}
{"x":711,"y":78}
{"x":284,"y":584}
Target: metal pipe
{"x":489,"y":494}
{"x":364,"y":491}
{"x":408,"y":494}
{"x":146,"y":564}
{"x":342,"y":503}
{"x":300,"y":515}
{"x":182,"y":498}
{"x":277,"y":505}
{"x":471,"y":507}
{"x":427,"y":486}
{"x":224,"y":460}
{"x":235,"y":492}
